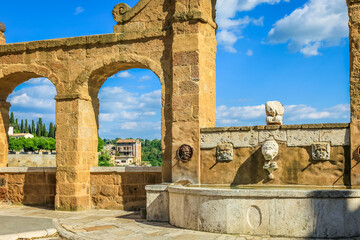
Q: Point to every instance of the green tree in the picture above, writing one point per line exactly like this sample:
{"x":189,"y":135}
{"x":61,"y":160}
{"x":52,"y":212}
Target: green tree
{"x":44,"y":131}
{"x":38,"y":130}
{"x":26,"y":126}
{"x":22,"y":126}
{"x":51,"y":130}
{"x":33,"y":130}
{"x":51,"y":144}
{"x":28,"y":144}
{"x":104,"y":159}
{"x":42,"y":143}
{"x":12,"y":118}
{"x":100,"y":144}
{"x":15,"y":144}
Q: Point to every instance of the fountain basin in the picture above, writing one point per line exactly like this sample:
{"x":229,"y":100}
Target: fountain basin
{"x":288,"y":212}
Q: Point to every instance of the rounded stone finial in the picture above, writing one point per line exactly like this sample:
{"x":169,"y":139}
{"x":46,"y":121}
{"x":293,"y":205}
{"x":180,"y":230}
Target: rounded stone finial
{"x":119,"y":10}
{"x":2,"y":27}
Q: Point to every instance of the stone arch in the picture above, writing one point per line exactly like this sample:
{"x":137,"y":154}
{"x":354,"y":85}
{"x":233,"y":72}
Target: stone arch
{"x":13,"y":75}
{"x":10,"y":77}
{"x":94,"y":77}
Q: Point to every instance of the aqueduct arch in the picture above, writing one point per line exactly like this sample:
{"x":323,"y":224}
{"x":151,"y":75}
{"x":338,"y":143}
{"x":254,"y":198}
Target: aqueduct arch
{"x":175,"y":39}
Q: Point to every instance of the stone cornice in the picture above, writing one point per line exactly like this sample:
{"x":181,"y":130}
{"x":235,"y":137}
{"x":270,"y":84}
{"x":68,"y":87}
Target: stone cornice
{"x":352,"y":2}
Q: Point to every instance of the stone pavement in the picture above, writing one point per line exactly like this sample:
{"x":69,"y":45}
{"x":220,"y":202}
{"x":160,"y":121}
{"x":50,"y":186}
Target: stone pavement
{"x":100,"y":224}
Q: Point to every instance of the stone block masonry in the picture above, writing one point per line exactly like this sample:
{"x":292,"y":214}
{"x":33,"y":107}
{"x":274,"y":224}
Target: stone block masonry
{"x":296,"y":165}
{"x":111,"y":188}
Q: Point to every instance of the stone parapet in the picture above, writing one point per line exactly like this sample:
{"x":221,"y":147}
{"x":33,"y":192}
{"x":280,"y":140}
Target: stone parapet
{"x":127,"y":169}
{"x":292,"y":135}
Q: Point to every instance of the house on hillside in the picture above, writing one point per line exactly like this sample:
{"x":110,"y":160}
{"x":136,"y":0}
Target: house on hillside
{"x":18,"y":135}
{"x":128,"y":151}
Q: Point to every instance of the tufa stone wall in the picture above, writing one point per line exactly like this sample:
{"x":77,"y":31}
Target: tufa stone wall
{"x":294,"y":158}
{"x":31,"y":160}
{"x":111,"y":188}
{"x":117,"y":189}
{"x":29,"y":186}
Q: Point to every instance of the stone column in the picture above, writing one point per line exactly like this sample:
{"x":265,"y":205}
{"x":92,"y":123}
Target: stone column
{"x":4,"y":128}
{"x":2,"y":33}
{"x":76,"y":147}
{"x":354,"y":40}
{"x":193,"y":90}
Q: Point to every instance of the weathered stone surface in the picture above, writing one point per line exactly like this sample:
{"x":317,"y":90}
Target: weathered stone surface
{"x":224,"y":152}
{"x":157,"y":203}
{"x":320,"y":151}
{"x":274,"y":113}
{"x":2,"y":27}
{"x":302,"y":137}
{"x":292,"y":136}
{"x":262,"y":212}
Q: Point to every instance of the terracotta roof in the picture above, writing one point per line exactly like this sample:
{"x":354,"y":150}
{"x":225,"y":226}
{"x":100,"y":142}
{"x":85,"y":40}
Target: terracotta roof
{"x":127,"y":140}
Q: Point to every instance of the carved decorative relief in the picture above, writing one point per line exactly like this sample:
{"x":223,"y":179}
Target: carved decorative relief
{"x":119,"y":10}
{"x":224,"y":152}
{"x":274,"y":113}
{"x":185,"y":153}
{"x":270,"y":150}
{"x":321,"y":151}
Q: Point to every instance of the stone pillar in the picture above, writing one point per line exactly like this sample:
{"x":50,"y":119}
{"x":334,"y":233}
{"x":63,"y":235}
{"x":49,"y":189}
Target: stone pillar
{"x":193,"y":90}
{"x":76,"y":147}
{"x":2,"y":33}
{"x":354,"y":41}
{"x":4,"y":128}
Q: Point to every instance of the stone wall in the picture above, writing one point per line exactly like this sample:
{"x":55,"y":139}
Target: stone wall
{"x":122,"y":188}
{"x":111,"y":188}
{"x":30,"y":186}
{"x":294,"y":159}
{"x":31,"y":160}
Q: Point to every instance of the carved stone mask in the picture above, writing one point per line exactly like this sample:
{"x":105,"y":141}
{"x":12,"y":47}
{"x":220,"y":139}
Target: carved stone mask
{"x":321,"y":151}
{"x":185,"y":153}
{"x":270,"y":150}
{"x":224,"y":152}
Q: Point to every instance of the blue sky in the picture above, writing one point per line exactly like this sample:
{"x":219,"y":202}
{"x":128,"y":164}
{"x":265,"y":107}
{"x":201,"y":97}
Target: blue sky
{"x":294,"y":51}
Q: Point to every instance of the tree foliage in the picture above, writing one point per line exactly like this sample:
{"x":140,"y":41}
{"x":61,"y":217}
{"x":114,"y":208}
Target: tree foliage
{"x":104,"y":159}
{"x":31,"y":144}
{"x":151,"y":152}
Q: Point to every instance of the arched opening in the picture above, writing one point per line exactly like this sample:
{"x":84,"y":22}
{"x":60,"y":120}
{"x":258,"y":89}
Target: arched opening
{"x":32,"y":124}
{"x":24,"y":144}
{"x":129,"y":119}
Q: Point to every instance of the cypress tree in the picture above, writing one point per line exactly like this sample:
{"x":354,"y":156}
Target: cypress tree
{"x":12,"y":119}
{"x":22,"y":126}
{"x":38,"y":130}
{"x":33,"y":130}
{"x":51,"y":130}
{"x":26,"y":126}
{"x":44,"y":131}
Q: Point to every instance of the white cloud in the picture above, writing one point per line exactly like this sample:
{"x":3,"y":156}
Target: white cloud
{"x":124,"y":74}
{"x":230,"y":27}
{"x":294,"y":114}
{"x":249,"y":53}
{"x":319,"y":23}
{"x":34,"y":97}
{"x":144,"y":78}
{"x":79,"y":10}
